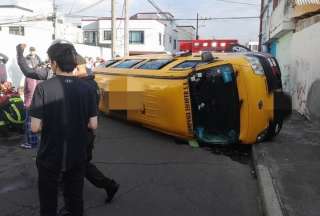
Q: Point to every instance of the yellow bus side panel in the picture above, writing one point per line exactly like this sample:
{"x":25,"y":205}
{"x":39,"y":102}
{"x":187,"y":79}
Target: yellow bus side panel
{"x":244,"y":109}
{"x":161,"y":104}
{"x":164,"y":105}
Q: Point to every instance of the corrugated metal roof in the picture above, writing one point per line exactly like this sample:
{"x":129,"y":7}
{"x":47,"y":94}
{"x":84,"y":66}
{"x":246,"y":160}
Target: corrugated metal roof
{"x":307,"y":2}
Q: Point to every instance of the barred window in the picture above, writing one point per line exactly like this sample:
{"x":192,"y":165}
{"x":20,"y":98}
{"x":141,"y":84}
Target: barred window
{"x":16,"y":30}
{"x":107,"y":35}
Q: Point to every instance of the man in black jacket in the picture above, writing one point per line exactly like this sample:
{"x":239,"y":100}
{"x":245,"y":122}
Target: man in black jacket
{"x":93,"y":174}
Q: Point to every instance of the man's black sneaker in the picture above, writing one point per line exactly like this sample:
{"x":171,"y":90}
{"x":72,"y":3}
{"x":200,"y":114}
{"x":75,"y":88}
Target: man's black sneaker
{"x":111,"y":191}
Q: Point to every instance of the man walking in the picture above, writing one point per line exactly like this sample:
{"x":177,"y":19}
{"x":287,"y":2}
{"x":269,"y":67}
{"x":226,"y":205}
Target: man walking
{"x":63,"y":109}
{"x":93,"y":174}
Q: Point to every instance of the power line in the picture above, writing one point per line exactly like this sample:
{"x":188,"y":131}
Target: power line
{"x":88,"y":7}
{"x":205,"y":19}
{"x":160,"y":12}
{"x":178,"y":19}
{"x":71,"y":9}
{"x":81,"y":16}
{"x":24,"y":21}
{"x":236,"y":2}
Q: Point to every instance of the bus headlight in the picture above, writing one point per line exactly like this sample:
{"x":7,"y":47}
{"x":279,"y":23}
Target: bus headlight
{"x":256,"y":65}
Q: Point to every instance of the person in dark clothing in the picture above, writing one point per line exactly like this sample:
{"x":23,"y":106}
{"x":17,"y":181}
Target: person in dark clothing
{"x":93,"y":174}
{"x":63,"y":109}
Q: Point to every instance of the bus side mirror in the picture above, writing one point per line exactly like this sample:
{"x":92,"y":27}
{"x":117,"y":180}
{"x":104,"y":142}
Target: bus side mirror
{"x":207,"y":57}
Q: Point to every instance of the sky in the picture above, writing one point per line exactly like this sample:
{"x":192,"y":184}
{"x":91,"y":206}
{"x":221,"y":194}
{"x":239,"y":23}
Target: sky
{"x":243,"y":30}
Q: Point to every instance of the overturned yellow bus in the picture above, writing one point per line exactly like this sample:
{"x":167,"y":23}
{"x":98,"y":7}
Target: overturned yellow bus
{"x":212,"y":98}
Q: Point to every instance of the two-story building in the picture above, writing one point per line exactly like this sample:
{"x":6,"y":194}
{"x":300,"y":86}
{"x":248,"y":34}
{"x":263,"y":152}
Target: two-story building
{"x":147,"y":33}
{"x":290,"y":30}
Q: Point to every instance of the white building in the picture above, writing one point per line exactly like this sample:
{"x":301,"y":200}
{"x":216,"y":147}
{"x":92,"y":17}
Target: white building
{"x":30,"y":22}
{"x":290,"y":31}
{"x":147,"y":33}
{"x":253,"y":46}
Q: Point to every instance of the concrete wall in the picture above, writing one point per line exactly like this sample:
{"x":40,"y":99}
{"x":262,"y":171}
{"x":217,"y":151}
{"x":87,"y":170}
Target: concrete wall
{"x":280,"y":21}
{"x":305,"y":71}
{"x":284,"y":58}
{"x":297,"y":50}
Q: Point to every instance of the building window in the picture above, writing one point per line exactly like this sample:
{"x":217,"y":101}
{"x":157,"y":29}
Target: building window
{"x":164,"y":40}
{"x":107,"y":35}
{"x":175,"y":44}
{"x":90,"y":37}
{"x":160,"y":39}
{"x":0,"y":28}
{"x":16,"y":30}
{"x":136,"y":37}
{"x":170,"y":39}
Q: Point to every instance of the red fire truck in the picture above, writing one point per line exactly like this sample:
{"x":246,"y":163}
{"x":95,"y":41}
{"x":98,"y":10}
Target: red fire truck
{"x":207,"y":45}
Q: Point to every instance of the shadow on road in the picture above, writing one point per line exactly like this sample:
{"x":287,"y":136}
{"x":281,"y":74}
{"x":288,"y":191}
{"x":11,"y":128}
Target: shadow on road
{"x":238,"y":153}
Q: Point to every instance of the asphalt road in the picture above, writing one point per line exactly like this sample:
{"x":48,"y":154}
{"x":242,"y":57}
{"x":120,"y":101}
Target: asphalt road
{"x":157,"y":175}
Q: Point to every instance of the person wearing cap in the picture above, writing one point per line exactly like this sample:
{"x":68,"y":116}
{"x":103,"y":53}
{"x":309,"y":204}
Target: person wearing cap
{"x":63,"y":109}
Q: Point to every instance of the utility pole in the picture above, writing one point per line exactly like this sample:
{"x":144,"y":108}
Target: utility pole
{"x":260,"y":27}
{"x":197,"y":31}
{"x":126,"y":31}
{"x":54,"y":18}
{"x":113,"y":29}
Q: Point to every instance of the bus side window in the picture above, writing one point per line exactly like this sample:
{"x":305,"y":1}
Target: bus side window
{"x":155,"y":64}
{"x":129,"y":63}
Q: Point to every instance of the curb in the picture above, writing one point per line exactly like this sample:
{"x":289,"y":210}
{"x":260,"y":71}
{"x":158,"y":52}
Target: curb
{"x":270,"y":201}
